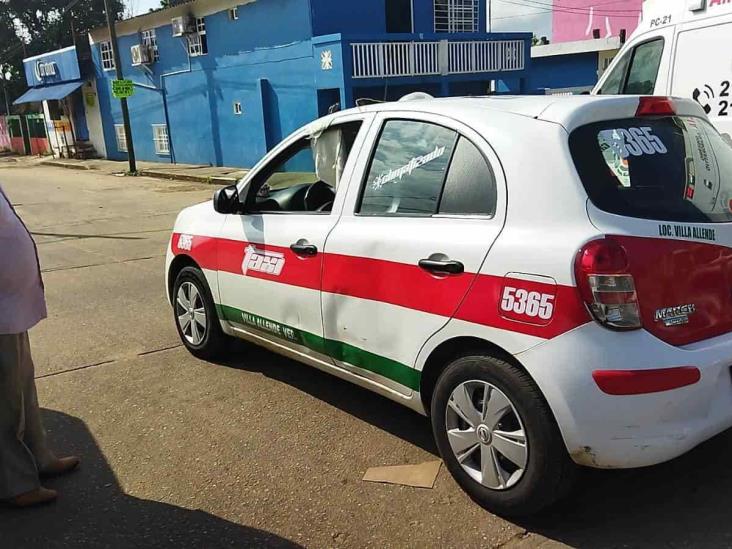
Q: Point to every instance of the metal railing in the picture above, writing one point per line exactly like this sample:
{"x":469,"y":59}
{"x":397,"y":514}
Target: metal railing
{"x":378,"y":59}
{"x":397,"y":59}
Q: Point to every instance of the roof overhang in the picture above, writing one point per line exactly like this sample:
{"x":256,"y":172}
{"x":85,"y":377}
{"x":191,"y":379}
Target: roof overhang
{"x":48,"y":93}
{"x":580,"y":46}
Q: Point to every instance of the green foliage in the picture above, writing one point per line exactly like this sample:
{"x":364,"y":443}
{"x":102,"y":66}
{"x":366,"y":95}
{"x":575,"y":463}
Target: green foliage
{"x":32,"y":27}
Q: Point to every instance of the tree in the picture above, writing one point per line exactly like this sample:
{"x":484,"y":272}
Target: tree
{"x":32,"y":27}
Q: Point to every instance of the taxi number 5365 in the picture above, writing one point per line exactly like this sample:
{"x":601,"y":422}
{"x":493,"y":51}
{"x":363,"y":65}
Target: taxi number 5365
{"x":528,"y":303}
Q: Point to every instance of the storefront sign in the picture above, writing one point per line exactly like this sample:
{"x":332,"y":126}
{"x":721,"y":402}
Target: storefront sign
{"x":45,"y":69}
{"x":122,"y":88}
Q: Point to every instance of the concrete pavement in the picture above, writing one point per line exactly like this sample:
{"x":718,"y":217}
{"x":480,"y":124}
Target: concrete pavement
{"x":259,"y":450}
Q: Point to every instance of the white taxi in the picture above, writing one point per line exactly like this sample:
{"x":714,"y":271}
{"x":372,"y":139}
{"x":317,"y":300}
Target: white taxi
{"x":549,"y":279}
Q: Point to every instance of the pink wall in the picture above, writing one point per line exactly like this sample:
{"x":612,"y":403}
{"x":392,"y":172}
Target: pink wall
{"x":574,"y":19}
{"x":4,"y":135}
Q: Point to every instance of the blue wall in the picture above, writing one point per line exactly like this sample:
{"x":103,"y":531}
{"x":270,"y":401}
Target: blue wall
{"x":268,"y":68}
{"x":563,"y":71}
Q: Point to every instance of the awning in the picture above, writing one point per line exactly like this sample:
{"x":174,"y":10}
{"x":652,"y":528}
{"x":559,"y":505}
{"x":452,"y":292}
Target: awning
{"x":48,"y":93}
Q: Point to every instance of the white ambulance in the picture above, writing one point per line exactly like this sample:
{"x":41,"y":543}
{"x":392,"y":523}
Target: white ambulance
{"x":682,"y":48}
{"x":548,"y":278}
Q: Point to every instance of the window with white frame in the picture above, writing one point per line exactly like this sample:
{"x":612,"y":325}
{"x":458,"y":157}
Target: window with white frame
{"x":150,"y":40}
{"x":457,"y":16}
{"x":237,"y":107}
{"x":234,"y":13}
{"x":160,"y":137}
{"x":119,"y":132}
{"x":107,"y":55}
{"x":197,"y":42}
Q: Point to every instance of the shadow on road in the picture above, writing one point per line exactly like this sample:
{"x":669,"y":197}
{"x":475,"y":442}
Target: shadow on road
{"x":365,"y":405}
{"x":682,"y":503}
{"x":685,"y":502}
{"x":93,"y":511}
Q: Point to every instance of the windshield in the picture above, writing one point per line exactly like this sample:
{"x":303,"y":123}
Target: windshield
{"x":665,"y":168}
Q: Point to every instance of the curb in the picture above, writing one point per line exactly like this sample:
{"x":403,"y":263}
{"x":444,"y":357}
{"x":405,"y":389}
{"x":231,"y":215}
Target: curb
{"x":211,"y":180}
{"x":57,"y":164}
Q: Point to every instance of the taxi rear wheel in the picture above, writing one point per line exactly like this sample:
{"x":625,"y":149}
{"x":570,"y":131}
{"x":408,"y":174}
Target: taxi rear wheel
{"x":195,"y":315}
{"x":498,"y":438}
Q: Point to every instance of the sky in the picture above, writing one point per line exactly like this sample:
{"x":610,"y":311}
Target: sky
{"x":141,"y":6}
{"x":508,"y":15}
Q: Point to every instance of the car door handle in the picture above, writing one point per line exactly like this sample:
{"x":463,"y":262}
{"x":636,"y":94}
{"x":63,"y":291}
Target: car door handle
{"x":304,"y":249}
{"x":438,"y":266}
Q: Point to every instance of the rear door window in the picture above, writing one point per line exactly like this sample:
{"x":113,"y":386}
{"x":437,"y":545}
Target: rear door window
{"x":408,"y":169}
{"x":423,"y":169}
{"x":667,"y":168}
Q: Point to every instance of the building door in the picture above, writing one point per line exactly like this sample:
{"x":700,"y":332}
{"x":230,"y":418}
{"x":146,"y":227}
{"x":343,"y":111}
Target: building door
{"x":399,"y":16}
{"x":81,"y":131}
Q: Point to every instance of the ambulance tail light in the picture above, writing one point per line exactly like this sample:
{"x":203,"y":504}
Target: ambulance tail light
{"x":606,"y":284}
{"x":656,"y":106}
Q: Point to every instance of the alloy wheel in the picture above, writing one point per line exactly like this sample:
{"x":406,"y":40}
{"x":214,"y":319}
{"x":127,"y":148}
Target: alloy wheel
{"x":191,"y":313}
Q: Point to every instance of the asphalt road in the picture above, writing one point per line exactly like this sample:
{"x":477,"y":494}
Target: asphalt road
{"x":260,"y":451}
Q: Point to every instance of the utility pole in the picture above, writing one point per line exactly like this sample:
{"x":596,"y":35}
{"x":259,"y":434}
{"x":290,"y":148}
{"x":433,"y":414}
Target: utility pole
{"x":73,"y":31}
{"x":118,"y":72}
{"x":5,"y":76}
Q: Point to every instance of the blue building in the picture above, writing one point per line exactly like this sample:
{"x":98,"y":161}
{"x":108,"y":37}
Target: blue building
{"x":221,"y":82}
{"x":62,"y":86}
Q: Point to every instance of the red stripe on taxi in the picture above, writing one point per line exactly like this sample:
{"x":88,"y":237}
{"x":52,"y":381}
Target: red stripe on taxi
{"x":396,"y":283}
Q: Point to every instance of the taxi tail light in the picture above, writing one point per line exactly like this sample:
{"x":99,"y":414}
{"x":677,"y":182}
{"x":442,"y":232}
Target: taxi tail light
{"x":656,"y":106}
{"x":607,"y":286}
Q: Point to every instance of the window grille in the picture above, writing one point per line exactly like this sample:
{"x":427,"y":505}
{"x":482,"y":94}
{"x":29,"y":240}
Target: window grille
{"x":160,"y":137}
{"x":456,"y":16}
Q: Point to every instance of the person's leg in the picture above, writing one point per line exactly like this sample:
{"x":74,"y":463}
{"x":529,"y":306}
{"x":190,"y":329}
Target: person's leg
{"x":34,"y":435}
{"x":18,"y":470}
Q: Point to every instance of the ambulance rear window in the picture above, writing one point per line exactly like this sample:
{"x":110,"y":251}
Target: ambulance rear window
{"x":669,"y":168}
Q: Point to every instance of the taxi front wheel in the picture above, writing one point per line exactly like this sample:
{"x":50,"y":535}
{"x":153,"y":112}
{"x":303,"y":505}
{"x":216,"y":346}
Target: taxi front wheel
{"x":195,"y":315}
{"x":498,"y":438}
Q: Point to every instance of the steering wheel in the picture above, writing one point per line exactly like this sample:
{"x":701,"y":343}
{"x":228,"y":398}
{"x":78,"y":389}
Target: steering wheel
{"x":319,"y":194}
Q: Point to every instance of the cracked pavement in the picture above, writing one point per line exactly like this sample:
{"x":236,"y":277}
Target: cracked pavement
{"x":260,"y":450}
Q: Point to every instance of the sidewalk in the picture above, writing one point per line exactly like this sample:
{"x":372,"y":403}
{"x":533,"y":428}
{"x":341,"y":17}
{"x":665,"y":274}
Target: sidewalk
{"x":181,"y":172}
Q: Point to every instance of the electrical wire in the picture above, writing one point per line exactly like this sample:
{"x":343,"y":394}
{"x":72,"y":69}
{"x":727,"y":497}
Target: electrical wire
{"x":556,"y":6}
{"x":551,"y":10}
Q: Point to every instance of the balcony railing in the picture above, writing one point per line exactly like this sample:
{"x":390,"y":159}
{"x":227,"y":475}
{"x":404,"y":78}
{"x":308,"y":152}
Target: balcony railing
{"x":398,"y":59}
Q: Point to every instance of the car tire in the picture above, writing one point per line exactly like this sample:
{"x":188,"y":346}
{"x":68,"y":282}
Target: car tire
{"x":200,"y":333}
{"x":537,"y":473}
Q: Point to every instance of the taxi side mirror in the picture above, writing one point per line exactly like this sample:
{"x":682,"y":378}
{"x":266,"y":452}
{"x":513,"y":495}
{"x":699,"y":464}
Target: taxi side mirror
{"x":226,"y":200}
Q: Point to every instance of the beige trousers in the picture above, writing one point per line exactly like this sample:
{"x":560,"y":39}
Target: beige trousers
{"x":23,"y":449}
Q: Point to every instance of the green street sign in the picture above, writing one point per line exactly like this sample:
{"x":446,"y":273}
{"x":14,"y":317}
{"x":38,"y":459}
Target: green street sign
{"x":122,"y":88}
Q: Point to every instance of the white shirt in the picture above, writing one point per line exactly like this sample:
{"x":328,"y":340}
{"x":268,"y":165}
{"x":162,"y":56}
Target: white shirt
{"x":22,"y":300}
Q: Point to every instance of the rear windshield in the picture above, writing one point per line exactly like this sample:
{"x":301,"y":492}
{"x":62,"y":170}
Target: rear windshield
{"x":666,"y":168}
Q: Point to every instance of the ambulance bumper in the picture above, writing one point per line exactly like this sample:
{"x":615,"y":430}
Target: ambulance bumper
{"x":625,"y":431}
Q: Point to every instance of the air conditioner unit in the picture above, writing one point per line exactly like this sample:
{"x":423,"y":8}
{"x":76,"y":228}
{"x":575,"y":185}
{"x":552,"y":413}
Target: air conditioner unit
{"x":140,"y":55}
{"x":185,"y":24}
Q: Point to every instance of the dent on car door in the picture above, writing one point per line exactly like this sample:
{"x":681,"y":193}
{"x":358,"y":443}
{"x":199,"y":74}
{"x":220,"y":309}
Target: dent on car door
{"x":271,"y":255}
{"x":412,"y":235}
